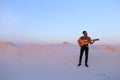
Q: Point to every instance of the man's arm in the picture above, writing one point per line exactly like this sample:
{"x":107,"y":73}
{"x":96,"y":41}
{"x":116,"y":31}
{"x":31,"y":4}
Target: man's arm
{"x":91,"y":41}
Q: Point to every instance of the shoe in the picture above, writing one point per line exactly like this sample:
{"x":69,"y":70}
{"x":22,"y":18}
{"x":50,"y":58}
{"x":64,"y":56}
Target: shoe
{"x":79,"y":65}
{"x":86,"y":65}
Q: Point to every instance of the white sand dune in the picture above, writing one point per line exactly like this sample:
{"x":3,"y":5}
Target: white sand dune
{"x":57,"y":62}
{"x":113,"y":49}
{"x":5,"y":44}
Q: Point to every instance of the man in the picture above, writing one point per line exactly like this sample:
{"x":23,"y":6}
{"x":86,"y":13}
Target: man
{"x":84,"y":42}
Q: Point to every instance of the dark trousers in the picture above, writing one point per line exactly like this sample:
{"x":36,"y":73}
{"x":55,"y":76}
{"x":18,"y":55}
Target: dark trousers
{"x":86,"y":49}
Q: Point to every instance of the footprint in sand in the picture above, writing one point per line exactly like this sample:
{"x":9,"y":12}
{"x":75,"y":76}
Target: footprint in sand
{"x":102,"y":77}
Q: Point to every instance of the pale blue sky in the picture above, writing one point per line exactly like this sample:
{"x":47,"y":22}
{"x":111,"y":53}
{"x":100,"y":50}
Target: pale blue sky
{"x":55,"y":21}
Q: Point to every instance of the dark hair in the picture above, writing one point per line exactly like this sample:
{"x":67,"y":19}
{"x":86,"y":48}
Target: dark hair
{"x":84,"y":32}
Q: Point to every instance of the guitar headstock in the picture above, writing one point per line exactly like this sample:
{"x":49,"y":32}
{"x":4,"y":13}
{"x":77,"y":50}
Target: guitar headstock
{"x":96,"y":39}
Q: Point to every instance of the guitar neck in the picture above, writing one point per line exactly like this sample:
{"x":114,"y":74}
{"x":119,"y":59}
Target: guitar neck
{"x":95,"y":40}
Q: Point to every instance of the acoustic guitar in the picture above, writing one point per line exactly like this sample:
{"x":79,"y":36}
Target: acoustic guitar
{"x":85,"y":42}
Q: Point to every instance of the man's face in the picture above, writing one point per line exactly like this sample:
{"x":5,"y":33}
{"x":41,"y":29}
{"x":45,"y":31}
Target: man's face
{"x":85,"y":33}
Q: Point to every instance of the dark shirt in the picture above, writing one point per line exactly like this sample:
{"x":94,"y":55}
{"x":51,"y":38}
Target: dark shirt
{"x":86,"y":39}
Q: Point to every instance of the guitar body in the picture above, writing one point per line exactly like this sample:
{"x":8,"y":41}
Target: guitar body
{"x":85,"y":42}
{"x":82,"y":42}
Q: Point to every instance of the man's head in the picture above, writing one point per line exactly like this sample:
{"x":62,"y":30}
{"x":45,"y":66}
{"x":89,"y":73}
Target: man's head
{"x":85,"y":33}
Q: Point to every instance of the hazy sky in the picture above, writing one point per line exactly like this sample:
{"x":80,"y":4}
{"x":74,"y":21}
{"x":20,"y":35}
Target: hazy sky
{"x":55,"y":21}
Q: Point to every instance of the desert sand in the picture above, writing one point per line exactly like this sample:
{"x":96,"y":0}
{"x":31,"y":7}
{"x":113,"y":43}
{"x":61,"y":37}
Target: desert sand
{"x":58,"y":62}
